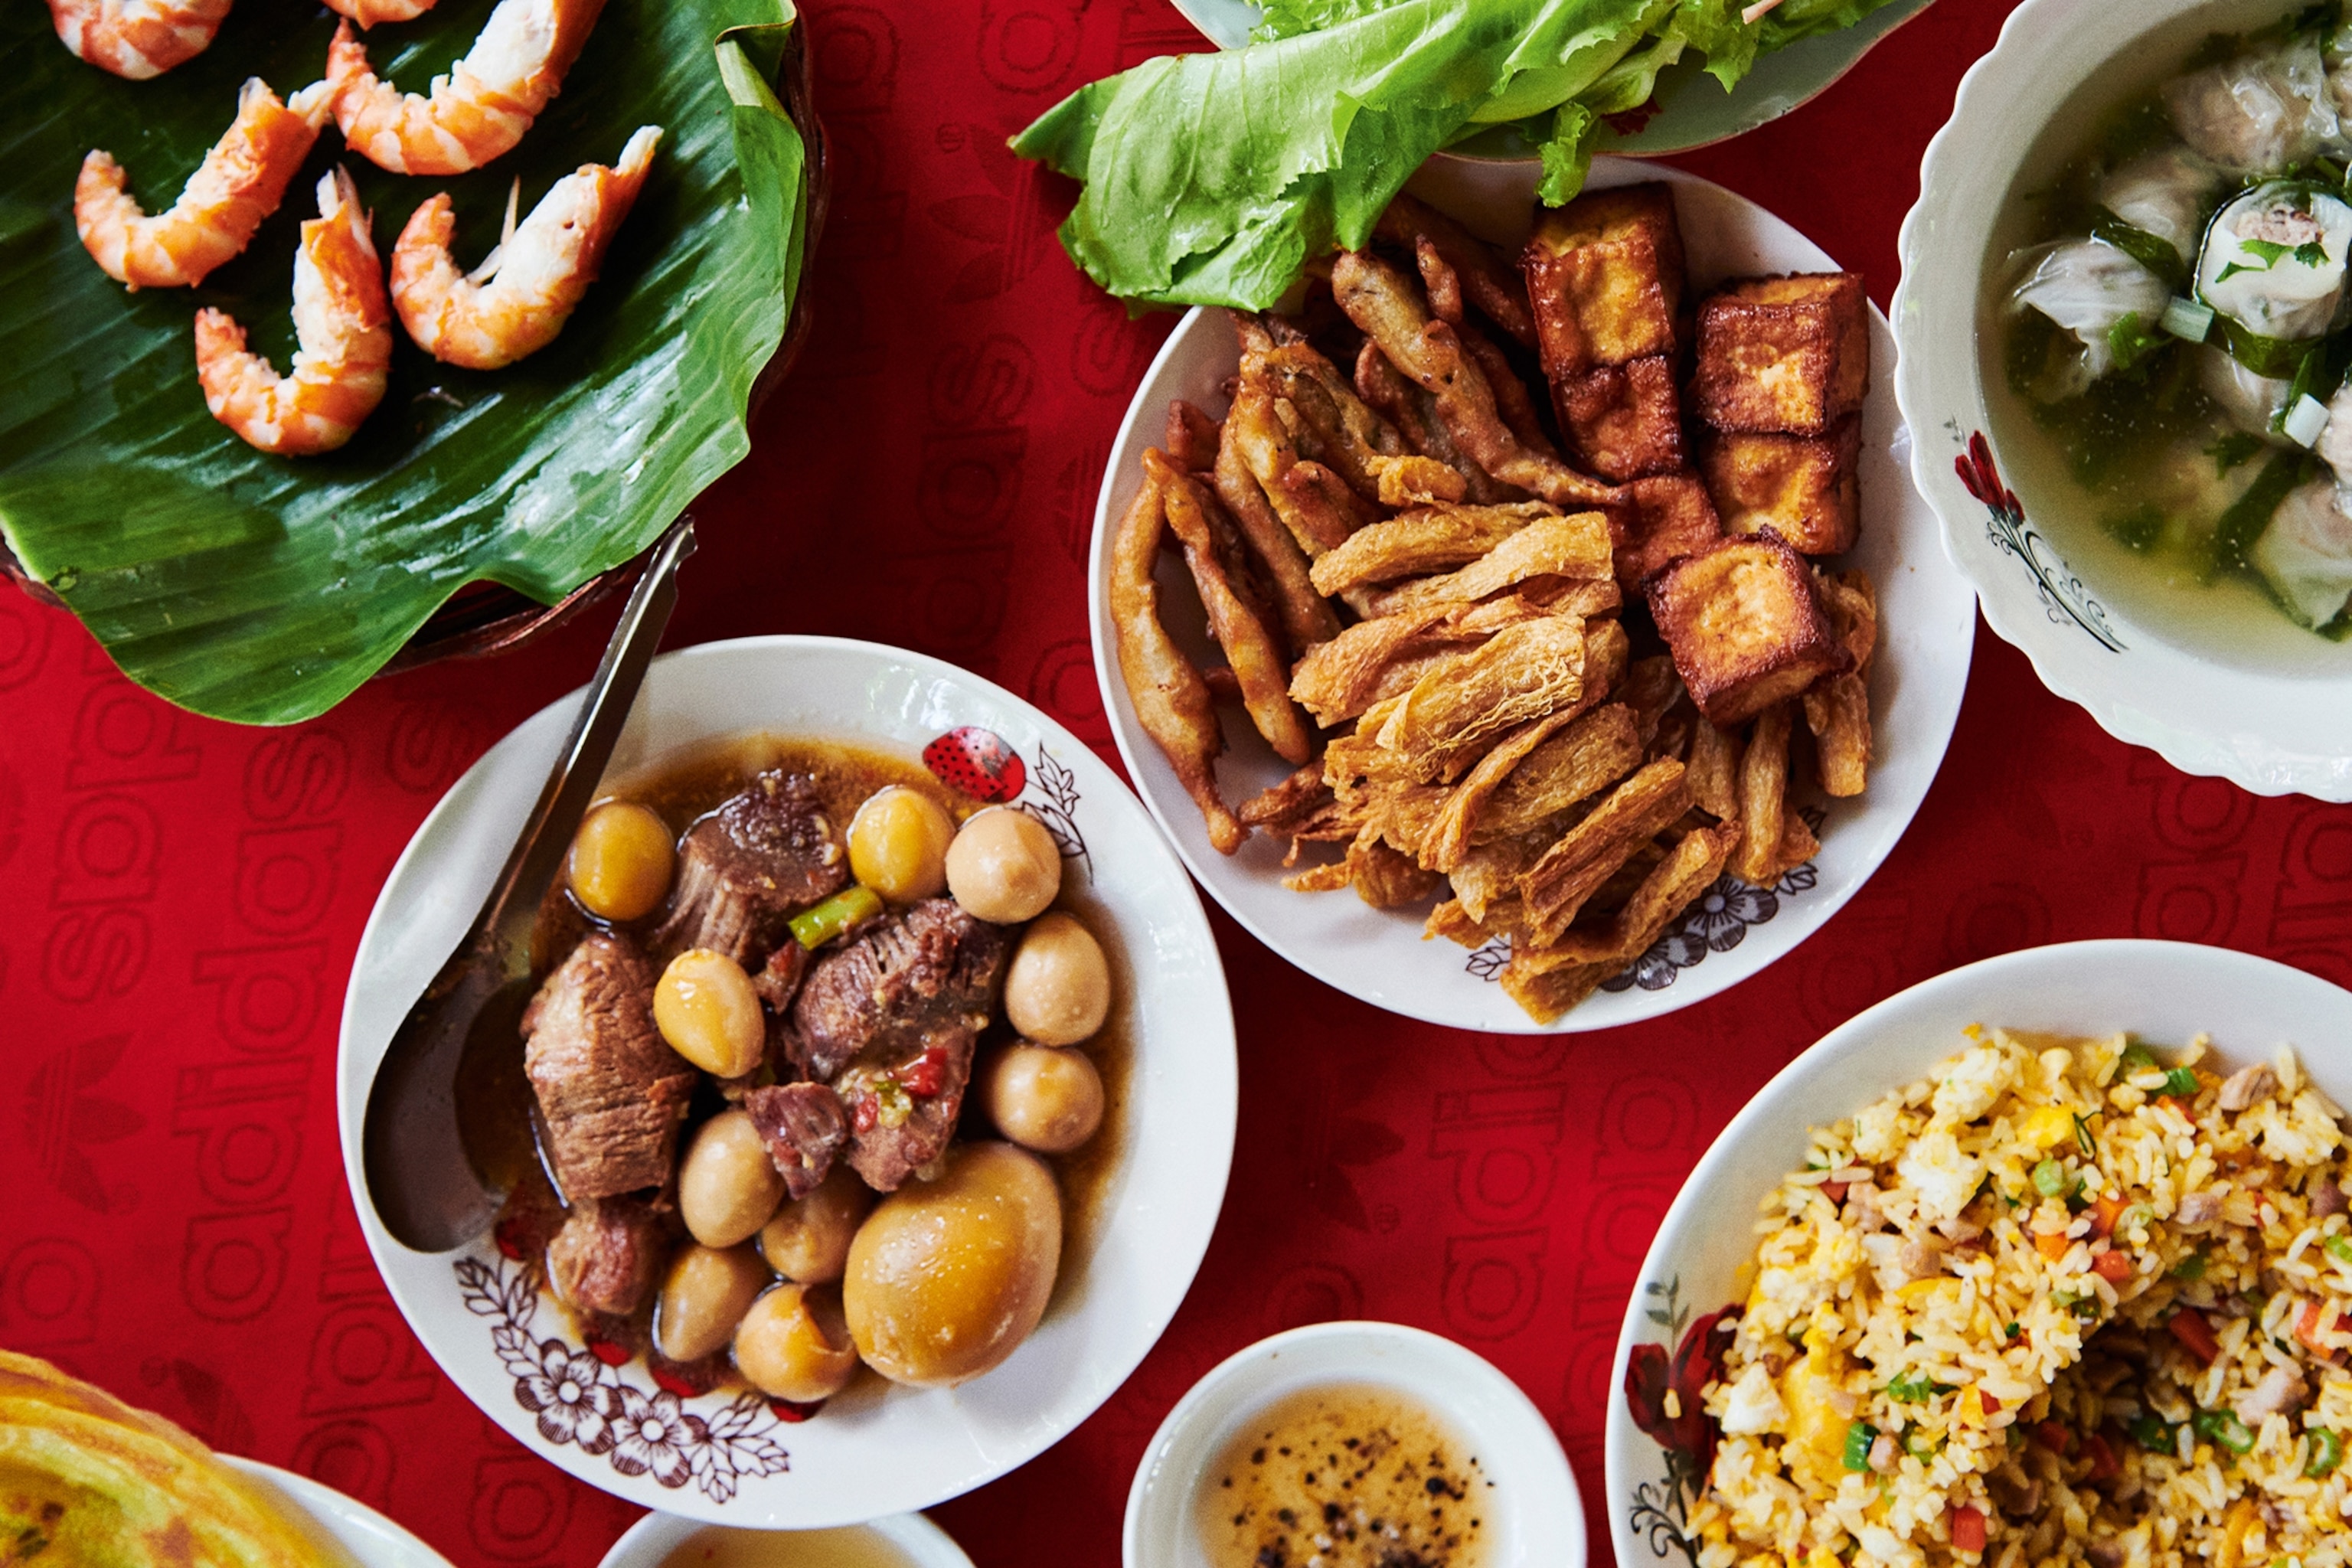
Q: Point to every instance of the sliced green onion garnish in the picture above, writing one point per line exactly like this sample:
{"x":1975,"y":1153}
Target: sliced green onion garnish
{"x":2187,"y":320}
{"x":2306,"y":422}
{"x":1858,"y":1439}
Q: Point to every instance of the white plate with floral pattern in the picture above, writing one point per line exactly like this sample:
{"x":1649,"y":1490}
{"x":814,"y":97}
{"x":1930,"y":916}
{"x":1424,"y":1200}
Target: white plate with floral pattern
{"x":1657,"y":1439}
{"x":878,"y":1448}
{"x":1928,"y":631}
{"x":2272,"y":725}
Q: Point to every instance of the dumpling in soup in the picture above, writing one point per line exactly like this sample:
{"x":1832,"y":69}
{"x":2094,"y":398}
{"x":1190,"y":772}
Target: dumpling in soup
{"x":2252,"y":403}
{"x":2305,"y":553}
{"x":2163,"y":194}
{"x":2258,"y":112}
{"x":2273,"y":260}
{"x":2088,"y":288}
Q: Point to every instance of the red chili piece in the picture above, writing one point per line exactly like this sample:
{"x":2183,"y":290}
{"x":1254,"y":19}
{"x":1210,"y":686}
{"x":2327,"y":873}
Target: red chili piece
{"x":925,"y":1076}
{"x":2104,"y":1465}
{"x":867,"y":1112}
{"x":2054,"y":1436}
{"x":1991,"y":1406}
{"x":1835,"y":1191}
{"x":607,"y":1351}
{"x":677,"y":1382}
{"x":508,"y":1238}
{"x":2195,"y":1334}
{"x":1968,"y":1530}
{"x":794,"y":1410}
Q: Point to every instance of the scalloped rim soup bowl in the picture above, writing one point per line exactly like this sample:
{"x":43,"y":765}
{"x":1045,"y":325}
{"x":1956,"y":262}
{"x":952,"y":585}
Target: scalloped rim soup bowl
{"x":2268,"y":709}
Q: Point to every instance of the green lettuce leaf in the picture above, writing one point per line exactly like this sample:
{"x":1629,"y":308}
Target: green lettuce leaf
{"x":1288,"y":18}
{"x":1214,"y":179}
{"x":1794,"y":19}
{"x":264,"y":589}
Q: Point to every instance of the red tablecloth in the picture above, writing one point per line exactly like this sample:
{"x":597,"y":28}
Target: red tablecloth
{"x":182,"y":898}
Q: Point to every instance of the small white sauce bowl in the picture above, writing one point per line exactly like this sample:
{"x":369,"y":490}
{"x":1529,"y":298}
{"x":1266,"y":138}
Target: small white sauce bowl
{"x":1535,"y":1515}
{"x":655,"y":1536}
{"x":371,"y":1540}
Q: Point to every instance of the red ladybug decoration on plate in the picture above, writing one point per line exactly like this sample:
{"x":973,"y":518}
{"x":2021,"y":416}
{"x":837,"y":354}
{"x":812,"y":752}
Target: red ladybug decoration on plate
{"x":976,"y":762}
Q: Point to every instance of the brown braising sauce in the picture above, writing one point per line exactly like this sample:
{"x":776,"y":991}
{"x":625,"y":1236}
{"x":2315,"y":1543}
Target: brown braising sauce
{"x":496,"y":1110}
{"x":1345,"y":1475}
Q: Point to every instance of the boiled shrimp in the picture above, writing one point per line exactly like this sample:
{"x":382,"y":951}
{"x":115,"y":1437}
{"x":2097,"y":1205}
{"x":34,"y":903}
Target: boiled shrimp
{"x":368,"y":13}
{"x":518,"y":299}
{"x":137,"y":38}
{"x":343,"y":328}
{"x":480,"y":110}
{"x":238,"y":184}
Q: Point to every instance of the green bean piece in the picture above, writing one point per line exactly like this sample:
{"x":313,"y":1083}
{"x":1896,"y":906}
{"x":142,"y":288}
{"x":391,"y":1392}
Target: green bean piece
{"x":850,"y":908}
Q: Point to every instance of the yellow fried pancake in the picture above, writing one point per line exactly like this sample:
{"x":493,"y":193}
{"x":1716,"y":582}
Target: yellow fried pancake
{"x":88,"y":1480}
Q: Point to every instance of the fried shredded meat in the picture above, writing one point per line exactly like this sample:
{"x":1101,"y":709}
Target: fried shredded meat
{"x":1548,"y":711}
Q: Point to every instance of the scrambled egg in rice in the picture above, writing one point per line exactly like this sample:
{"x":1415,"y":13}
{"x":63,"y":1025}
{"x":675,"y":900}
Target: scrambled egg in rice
{"x":2069,"y":1301}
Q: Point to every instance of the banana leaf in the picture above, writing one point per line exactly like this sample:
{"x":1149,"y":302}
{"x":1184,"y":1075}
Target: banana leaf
{"x":264,"y":589}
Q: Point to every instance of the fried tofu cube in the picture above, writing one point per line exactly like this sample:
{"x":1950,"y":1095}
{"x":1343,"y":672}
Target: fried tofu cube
{"x":1805,"y":488}
{"x":1605,"y":277}
{"x":1624,"y":421}
{"x":1782,"y":355}
{"x":1671,"y":516}
{"x":1745,"y":625}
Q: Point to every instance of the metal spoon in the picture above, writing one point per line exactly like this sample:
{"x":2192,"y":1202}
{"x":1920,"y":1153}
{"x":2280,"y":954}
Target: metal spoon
{"x":423,"y":1187}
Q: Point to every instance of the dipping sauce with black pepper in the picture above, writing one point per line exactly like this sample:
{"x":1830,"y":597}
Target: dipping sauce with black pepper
{"x":1345,"y":1475}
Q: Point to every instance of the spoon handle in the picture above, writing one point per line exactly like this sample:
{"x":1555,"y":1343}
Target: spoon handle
{"x":513,"y":904}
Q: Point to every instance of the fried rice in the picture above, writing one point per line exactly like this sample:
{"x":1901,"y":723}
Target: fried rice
{"x":2065,"y":1301}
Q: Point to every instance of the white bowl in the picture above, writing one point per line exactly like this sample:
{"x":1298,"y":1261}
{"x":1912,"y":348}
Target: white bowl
{"x":2166,"y":992}
{"x":371,"y":1540}
{"x":879,"y":1449}
{"x":2274,"y":731}
{"x":922,"y":1544}
{"x":1535,"y":1520}
{"x":1691,"y":109}
{"x":1928,"y":631}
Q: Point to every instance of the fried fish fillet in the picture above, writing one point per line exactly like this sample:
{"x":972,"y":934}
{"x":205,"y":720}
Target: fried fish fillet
{"x":1237,"y":613}
{"x":1348,"y":436}
{"x":1499,"y":293}
{"x":1414,"y":414}
{"x":1171,"y":700}
{"x":1307,"y":618}
{"x":1384,"y":304}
